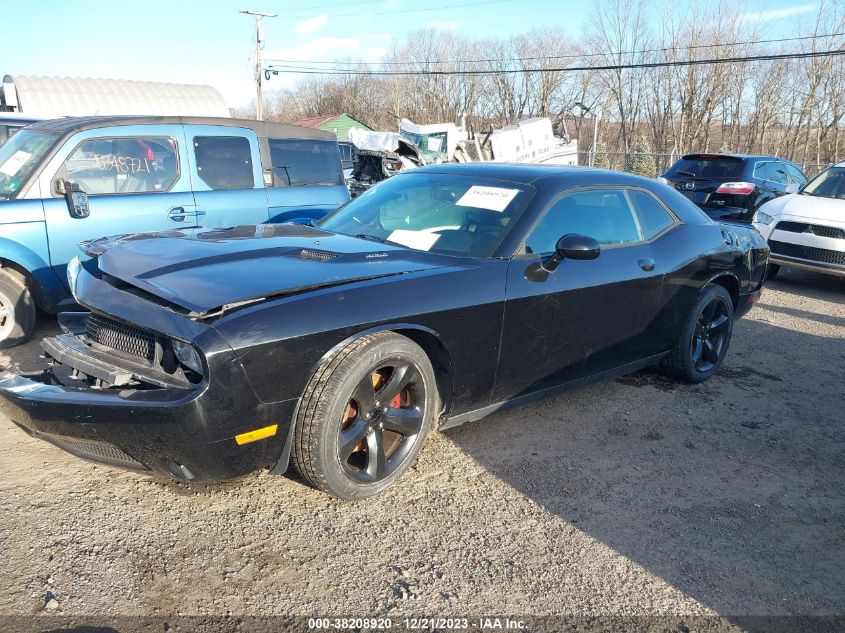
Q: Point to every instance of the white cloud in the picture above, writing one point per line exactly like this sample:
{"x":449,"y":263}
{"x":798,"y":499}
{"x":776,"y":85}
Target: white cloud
{"x":441,"y":25}
{"x":311,"y":24}
{"x":390,"y":4}
{"x":324,"y":48}
{"x":770,"y":15}
{"x":375,"y":53}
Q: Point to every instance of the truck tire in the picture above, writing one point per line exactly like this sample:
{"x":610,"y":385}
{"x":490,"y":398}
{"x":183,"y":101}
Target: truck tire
{"x":17,"y":311}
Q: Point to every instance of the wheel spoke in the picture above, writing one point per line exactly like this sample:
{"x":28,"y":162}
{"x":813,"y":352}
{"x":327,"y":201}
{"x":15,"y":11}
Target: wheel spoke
{"x":364,"y":396}
{"x":402,"y":375}
{"x":710,"y":352}
{"x":696,"y":350}
{"x":719,"y":323}
{"x":350,"y":438}
{"x":376,"y":461}
{"x":404,"y":421}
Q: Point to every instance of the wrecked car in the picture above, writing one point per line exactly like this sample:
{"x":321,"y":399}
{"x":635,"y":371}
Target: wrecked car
{"x":442,"y":295}
{"x":379,"y":155}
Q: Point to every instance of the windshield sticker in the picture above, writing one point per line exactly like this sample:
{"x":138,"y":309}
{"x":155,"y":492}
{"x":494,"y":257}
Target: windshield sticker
{"x":414,"y":239}
{"x":490,"y":198}
{"x":14,"y":164}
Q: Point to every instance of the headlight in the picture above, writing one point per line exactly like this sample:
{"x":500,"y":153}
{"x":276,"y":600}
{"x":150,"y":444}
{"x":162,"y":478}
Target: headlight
{"x":762,"y":218}
{"x":187,"y":355}
{"x":662,"y":179}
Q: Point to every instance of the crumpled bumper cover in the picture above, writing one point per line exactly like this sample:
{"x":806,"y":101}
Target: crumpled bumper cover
{"x":186,"y":434}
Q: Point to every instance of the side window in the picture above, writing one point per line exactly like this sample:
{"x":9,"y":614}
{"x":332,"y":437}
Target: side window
{"x":137,"y":164}
{"x":603,"y":214}
{"x":303,"y":163}
{"x":795,"y":175}
{"x":777,"y":170}
{"x":653,"y":216}
{"x":224,"y":162}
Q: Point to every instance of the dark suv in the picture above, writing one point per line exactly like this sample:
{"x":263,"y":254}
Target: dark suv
{"x":732,"y":186}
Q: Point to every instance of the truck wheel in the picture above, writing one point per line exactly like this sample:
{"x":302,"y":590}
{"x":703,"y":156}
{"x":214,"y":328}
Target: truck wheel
{"x":705,"y":337}
{"x":17,"y":311}
{"x":364,"y":416}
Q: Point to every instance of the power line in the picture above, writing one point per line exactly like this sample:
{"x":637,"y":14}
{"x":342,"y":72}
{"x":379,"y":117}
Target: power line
{"x":687,"y":62}
{"x":569,"y":56}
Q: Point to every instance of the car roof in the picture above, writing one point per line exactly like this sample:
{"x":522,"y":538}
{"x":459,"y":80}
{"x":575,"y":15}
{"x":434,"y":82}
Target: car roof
{"x":68,"y":125}
{"x":731,"y":155}
{"x":529,"y":173}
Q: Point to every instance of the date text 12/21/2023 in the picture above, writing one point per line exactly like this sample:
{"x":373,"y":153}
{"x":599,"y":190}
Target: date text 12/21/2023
{"x":416,"y":624}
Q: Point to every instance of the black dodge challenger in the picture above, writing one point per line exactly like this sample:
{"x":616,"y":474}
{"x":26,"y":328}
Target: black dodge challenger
{"x":436,"y":298}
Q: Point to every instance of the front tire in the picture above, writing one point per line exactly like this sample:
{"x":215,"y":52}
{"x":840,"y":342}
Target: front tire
{"x":364,"y":416}
{"x":705,"y":337}
{"x":772,"y":270}
{"x":17,"y":311}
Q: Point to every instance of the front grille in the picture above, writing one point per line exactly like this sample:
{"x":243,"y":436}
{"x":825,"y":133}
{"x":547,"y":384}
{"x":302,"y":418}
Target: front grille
{"x":95,"y":451}
{"x":807,"y":252}
{"x":121,"y":337}
{"x":815,"y":229}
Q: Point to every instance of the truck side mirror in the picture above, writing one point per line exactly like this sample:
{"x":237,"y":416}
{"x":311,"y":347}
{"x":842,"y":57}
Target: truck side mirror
{"x":77,"y":200}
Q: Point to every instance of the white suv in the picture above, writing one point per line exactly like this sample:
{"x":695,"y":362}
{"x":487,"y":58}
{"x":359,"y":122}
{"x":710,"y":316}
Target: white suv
{"x":807,"y":229}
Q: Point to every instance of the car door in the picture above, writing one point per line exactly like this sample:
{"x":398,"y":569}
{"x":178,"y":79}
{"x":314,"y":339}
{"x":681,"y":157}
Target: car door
{"x":307,"y":179}
{"x":226,"y":174}
{"x":586,"y":316}
{"x":136,"y":181}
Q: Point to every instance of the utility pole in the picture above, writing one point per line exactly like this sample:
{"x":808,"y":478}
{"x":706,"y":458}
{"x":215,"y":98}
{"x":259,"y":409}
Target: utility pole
{"x":259,"y":45}
{"x":596,"y":119}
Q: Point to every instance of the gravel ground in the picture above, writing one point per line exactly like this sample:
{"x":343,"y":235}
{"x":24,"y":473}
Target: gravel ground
{"x":636,"y":496}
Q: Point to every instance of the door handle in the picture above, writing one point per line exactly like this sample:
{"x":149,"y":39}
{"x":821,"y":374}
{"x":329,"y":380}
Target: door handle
{"x":178,"y":214}
{"x":646,"y":264}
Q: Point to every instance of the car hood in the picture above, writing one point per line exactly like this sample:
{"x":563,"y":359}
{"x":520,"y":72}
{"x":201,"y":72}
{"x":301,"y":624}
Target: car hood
{"x":809,"y":207}
{"x":208,"y":271}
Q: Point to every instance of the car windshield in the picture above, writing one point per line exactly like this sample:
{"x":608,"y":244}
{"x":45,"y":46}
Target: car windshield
{"x":705,"y":167}
{"x":828,"y":184}
{"x":450,"y":214}
{"x":20,"y":157}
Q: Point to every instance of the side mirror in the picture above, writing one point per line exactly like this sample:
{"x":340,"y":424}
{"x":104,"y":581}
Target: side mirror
{"x":792,"y":187}
{"x":572,"y":246}
{"x":77,"y":200}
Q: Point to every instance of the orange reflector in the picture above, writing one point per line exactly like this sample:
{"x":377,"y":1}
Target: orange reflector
{"x":257,"y":434}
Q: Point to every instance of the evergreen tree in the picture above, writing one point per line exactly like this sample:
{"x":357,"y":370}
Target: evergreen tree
{"x":643,"y":161}
{"x":601,"y":160}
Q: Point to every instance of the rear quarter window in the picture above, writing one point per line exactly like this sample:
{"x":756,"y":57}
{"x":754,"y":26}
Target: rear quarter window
{"x":224,"y":162}
{"x":305,"y":163}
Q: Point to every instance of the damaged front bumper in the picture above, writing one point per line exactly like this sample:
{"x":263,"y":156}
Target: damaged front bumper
{"x":101,"y":405}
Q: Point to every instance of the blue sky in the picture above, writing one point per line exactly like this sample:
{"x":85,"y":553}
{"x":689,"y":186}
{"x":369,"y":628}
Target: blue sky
{"x":210,"y":42}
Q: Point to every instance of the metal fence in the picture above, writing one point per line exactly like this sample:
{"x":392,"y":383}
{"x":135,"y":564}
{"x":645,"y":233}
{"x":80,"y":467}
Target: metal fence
{"x":624,"y":161}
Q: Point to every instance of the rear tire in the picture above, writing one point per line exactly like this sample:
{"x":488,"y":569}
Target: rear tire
{"x":705,"y":337}
{"x":364,"y":416}
{"x":772,"y":270}
{"x":17,"y":311}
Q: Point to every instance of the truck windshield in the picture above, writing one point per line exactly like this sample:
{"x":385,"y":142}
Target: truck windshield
{"x":20,"y":157}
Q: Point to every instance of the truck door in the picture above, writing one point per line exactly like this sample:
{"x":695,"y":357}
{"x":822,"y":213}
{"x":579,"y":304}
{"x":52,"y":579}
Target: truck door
{"x":226,"y":175}
{"x":136,"y":180}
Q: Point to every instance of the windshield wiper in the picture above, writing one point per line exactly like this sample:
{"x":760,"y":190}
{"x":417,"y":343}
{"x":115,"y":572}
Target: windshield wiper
{"x":380,"y":240}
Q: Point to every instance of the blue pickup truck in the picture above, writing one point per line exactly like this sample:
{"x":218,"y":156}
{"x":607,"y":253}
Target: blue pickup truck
{"x":69,"y":180}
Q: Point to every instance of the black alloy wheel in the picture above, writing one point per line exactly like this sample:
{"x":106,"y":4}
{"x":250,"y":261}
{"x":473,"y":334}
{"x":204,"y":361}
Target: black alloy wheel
{"x":704,"y":338}
{"x":711,"y":335}
{"x":364,"y":415}
{"x":381,"y":421}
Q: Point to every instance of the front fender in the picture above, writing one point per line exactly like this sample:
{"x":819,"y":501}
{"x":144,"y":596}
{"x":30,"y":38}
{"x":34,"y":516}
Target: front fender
{"x":24,"y":245}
